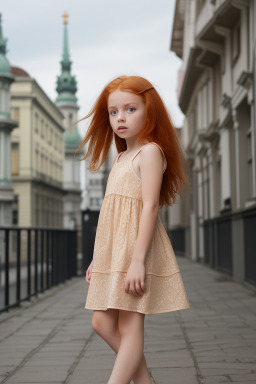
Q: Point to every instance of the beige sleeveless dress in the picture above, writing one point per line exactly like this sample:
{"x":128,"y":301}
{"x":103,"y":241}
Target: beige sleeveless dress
{"x":115,"y":239}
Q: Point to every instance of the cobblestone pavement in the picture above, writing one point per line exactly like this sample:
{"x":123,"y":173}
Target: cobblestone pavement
{"x":50,"y":340}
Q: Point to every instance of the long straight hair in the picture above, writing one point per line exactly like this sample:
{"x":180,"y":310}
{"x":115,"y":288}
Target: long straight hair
{"x":157,"y":127}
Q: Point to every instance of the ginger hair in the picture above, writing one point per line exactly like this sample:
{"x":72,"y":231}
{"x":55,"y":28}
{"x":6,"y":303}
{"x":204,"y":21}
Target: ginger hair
{"x":157,"y":127}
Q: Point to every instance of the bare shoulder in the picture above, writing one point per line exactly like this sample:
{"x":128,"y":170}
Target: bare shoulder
{"x":151,"y":154}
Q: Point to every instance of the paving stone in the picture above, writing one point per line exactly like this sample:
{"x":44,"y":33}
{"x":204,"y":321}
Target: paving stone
{"x":240,"y":378}
{"x":174,"y":375}
{"x":93,"y":376}
{"x":52,"y":341}
{"x":34,"y":374}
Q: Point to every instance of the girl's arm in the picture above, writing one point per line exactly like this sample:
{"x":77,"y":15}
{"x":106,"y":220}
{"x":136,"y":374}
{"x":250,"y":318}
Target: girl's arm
{"x":151,"y":169}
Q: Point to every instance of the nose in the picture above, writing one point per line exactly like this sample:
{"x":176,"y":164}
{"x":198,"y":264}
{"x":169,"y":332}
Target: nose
{"x":121,"y":116}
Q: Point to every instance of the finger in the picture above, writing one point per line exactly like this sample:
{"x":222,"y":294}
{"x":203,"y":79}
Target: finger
{"x":127,"y":286}
{"x":138,"y":289}
{"x":143,"y":286}
{"x":134,"y":292}
{"x":130,"y":289}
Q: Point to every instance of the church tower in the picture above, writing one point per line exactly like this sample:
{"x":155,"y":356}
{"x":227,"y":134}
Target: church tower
{"x":67,"y":103}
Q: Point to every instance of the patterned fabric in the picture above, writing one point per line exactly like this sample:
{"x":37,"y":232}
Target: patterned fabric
{"x":115,"y":240}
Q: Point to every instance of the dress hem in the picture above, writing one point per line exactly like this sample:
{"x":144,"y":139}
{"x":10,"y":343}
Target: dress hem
{"x":147,"y":273}
{"x":145,"y":313}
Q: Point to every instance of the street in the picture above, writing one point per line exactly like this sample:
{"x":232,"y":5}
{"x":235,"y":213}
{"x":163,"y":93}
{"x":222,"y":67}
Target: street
{"x":50,"y":340}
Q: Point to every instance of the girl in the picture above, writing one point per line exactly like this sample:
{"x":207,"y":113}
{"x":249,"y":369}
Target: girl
{"x":134,"y":270}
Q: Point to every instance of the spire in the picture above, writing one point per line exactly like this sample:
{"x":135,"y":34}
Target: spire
{"x":66,"y":83}
{"x":5,"y":69}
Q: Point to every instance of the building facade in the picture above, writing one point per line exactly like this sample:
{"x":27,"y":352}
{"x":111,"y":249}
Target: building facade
{"x":37,"y":154}
{"x":216,"y":41}
{"x":7,"y":124}
{"x":96,"y":182}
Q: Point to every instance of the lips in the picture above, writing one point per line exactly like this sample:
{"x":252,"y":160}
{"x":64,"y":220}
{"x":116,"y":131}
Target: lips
{"x":119,"y":128}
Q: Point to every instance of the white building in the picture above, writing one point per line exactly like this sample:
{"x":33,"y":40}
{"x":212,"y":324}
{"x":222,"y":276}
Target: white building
{"x":216,"y":41}
{"x":37,"y":154}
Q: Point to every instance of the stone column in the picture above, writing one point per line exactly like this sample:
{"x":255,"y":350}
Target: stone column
{"x":225,"y":166}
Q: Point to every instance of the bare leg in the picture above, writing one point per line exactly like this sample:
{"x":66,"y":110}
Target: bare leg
{"x":130,"y":353}
{"x":105,"y":324}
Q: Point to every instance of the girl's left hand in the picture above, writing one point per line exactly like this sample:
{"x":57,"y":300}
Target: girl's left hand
{"x":135,"y":278}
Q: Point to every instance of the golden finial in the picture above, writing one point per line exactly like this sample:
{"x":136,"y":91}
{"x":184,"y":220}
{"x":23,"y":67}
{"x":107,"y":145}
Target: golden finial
{"x":65,"y":17}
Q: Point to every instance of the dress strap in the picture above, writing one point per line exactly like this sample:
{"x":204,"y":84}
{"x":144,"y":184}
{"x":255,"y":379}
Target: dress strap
{"x":118,"y":156}
{"x":114,"y":161}
{"x":152,"y":142}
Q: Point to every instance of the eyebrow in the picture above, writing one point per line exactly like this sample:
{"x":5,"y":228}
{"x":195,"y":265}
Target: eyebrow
{"x":132,"y":102}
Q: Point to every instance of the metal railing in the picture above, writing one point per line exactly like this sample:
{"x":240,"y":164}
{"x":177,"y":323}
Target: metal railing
{"x":33,"y":260}
{"x":219,"y":236}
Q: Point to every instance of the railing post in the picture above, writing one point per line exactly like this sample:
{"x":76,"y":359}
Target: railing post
{"x":7,"y":268}
{"x":59,"y":263}
{"x":36,"y":261}
{"x":47,"y":258}
{"x":42,"y":260}
{"x":52,"y":259}
{"x":18,"y":267}
{"x":29,"y":264}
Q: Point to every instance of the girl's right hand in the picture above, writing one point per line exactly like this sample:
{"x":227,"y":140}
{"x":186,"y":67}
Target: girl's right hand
{"x":89,"y":272}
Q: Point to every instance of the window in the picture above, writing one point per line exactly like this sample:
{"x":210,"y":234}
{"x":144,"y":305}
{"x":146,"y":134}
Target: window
{"x":51,"y":136}
{"x":36,"y":122}
{"x":236,"y":43}
{"x":199,"y":6}
{"x":47,"y":132}
{"x":249,"y":160}
{"x":37,"y":161}
{"x":15,"y":113}
{"x":15,"y":159}
{"x":70,"y":120}
{"x":42,"y":128}
{"x":42,"y":165}
{"x":46,"y":164}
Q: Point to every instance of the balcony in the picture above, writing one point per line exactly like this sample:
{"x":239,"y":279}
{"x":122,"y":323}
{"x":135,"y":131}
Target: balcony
{"x":215,"y":20}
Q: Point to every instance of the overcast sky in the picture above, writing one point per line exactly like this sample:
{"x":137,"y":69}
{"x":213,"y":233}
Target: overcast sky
{"x":107,"y":38}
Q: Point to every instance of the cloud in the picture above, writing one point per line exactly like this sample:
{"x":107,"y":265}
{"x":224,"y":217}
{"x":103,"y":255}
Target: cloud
{"x":106,"y":39}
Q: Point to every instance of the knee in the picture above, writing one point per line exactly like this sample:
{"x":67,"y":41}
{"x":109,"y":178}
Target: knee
{"x":97,"y":323}
{"x":130,"y":323}
{"x":104,"y":322}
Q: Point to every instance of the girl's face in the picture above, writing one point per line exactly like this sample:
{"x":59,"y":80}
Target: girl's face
{"x":126,"y":110}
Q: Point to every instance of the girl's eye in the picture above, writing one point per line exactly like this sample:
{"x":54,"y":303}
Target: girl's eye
{"x":131,"y":108}
{"x":112,"y":112}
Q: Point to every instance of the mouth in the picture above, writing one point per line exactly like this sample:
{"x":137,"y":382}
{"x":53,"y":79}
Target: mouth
{"x":122,"y":128}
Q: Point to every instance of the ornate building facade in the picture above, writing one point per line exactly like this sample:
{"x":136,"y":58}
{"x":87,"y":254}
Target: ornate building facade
{"x":217,"y":42}
{"x":37,"y":154}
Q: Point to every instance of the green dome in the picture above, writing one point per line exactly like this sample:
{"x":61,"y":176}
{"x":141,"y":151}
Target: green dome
{"x":5,"y":68}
